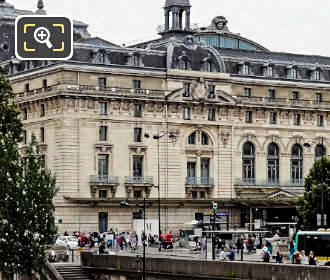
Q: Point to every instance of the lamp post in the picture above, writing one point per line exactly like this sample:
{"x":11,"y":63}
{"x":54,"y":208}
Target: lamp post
{"x":157,"y":137}
{"x":143,"y":207}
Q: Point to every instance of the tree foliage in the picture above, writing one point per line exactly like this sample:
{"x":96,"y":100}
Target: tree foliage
{"x":310,"y":204}
{"x":27,"y":190}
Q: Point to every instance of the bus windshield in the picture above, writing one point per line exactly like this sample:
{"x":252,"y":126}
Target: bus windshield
{"x":319,"y":243}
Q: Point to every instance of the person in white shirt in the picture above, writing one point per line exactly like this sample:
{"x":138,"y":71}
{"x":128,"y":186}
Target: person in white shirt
{"x":303,"y":258}
{"x":222,"y":256}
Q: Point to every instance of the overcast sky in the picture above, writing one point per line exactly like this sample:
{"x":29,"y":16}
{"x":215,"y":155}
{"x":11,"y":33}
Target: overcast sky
{"x":297,"y":26}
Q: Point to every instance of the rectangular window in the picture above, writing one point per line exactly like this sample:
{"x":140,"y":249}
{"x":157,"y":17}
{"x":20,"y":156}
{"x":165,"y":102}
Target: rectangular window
{"x":42,"y":135}
{"x":318,"y":97}
{"x":211,"y":94}
{"x":103,"y":133}
{"x":137,"y":166}
{"x":211,"y":115}
{"x":205,"y":171}
{"x":25,"y":114}
{"x":103,"y":193}
{"x":246,"y":69}
{"x":320,"y":120}
{"x":137,"y":194}
{"x":137,"y":134}
{"x":42,"y":110}
{"x":103,"y":166}
{"x":44,"y":83}
{"x":102,"y":83}
{"x":194,"y":194}
{"x":186,"y":90}
{"x":247,"y":92}
{"x":136,"y":84}
{"x":295,"y":95}
{"x":248,"y":116}
{"x":297,"y":119}
{"x":137,"y":110}
{"x":272,"y":93}
{"x":186,"y":113}
{"x":202,"y":194}
{"x":191,"y":173}
{"x":273,"y":117}
{"x":103,"y":221}
{"x":27,"y":87}
{"x":270,"y":71}
{"x":103,"y":108}
{"x":316,"y":75}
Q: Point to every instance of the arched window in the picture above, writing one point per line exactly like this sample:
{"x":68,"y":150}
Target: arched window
{"x":273,"y":162}
{"x":319,"y":152}
{"x":192,"y":139}
{"x":293,"y":73}
{"x":246,"y":69}
{"x":205,"y":139}
{"x":270,"y":71}
{"x":183,"y":64}
{"x":248,"y":163}
{"x":207,"y":66}
{"x":297,"y":165}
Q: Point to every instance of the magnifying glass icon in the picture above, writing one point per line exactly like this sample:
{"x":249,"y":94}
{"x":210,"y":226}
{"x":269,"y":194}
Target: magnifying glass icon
{"x":42,"y":35}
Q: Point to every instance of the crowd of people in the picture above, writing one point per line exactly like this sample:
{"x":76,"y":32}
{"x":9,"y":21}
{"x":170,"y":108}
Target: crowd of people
{"x":113,"y":239}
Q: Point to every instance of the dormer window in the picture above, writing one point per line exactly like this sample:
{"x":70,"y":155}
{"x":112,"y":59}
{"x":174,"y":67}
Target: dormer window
{"x":293,"y":73}
{"x":207,"y":66}
{"x":246,"y":69}
{"x":316,"y":75}
{"x":183,"y":64}
{"x":136,"y":60}
{"x":270,"y":71}
{"x":102,"y":57}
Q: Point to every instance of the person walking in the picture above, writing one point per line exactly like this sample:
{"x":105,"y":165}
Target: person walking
{"x":291,"y":251}
{"x":238,"y":245}
{"x":265,"y":255}
{"x":279,"y":257}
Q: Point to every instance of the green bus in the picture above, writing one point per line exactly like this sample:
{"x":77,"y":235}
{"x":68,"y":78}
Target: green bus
{"x":316,"y":241}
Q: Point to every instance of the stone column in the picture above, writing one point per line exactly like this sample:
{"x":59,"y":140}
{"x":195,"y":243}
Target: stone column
{"x":167,"y":20}
{"x":188,"y":19}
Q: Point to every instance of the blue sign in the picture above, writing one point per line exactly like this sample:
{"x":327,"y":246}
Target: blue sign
{"x":221,"y":214}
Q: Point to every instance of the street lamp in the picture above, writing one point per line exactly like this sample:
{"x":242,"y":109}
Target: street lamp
{"x":143,"y":207}
{"x":157,"y":137}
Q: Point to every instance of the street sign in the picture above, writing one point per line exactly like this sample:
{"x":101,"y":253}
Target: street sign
{"x":221,"y":214}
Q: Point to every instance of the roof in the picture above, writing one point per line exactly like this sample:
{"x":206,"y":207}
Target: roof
{"x":170,"y":3}
{"x":96,"y":41}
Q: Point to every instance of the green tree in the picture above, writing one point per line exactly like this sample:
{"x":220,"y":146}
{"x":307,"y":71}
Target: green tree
{"x":27,"y":190}
{"x":310,"y":204}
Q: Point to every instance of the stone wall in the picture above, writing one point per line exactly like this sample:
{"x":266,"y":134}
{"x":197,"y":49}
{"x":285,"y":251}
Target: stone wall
{"x":124,"y":267}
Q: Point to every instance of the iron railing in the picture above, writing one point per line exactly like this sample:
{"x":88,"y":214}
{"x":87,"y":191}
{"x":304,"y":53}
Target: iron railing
{"x":104,"y":180}
{"x":269,"y":183}
{"x":200,"y":181}
{"x":134,"y":180}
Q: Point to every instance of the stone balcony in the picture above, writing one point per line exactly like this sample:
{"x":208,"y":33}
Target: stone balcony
{"x":199,"y":185}
{"x":200,"y":181}
{"x":282,"y":102}
{"x":142,"y":185}
{"x":109,"y":183}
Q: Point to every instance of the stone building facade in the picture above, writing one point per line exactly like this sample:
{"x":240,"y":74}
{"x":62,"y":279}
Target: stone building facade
{"x":236,"y":124}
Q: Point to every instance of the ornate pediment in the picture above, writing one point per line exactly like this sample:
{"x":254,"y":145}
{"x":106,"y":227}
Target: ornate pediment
{"x":281,"y":195}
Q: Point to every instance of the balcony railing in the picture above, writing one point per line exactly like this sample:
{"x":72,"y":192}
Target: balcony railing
{"x":270,"y":182}
{"x":202,"y":181}
{"x":139,"y":180}
{"x":281,"y":102}
{"x":104,"y":180}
